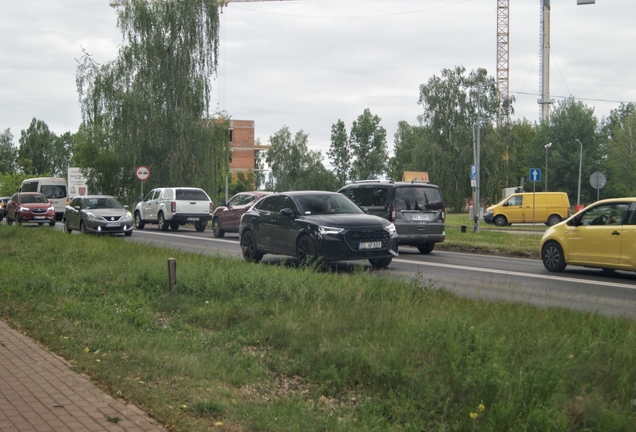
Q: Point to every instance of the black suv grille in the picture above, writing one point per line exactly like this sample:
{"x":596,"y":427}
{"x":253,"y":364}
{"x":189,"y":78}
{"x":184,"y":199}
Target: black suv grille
{"x":353,"y":237}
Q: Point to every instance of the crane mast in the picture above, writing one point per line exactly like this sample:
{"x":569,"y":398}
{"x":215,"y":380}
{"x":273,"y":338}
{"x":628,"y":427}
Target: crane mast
{"x":503,"y":35}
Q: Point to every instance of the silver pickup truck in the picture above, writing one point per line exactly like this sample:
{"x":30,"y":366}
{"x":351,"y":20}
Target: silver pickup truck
{"x":174,"y":207}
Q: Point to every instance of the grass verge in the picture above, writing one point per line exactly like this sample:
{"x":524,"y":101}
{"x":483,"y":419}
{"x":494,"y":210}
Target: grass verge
{"x":260,"y":348}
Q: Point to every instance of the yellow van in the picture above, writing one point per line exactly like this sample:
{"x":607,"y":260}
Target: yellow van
{"x":549,"y":208}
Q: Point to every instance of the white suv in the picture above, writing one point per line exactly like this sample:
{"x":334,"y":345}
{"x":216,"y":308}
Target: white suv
{"x":173,"y":207}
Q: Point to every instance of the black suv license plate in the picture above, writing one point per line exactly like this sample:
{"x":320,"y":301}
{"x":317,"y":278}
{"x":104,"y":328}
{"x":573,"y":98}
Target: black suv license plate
{"x":369,"y":245}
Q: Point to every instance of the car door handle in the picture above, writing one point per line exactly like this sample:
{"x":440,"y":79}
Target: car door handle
{"x":616,"y":233}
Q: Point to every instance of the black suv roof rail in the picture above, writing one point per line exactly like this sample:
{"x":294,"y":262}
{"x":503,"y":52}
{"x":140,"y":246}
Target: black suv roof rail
{"x":374,"y":181}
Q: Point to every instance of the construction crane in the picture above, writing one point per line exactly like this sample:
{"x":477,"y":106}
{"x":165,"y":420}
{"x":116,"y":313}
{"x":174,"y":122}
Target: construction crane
{"x":222,"y":3}
{"x":503,"y":35}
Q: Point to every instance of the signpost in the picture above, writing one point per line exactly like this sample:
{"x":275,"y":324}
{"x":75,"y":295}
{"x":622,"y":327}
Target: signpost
{"x":142,"y":173}
{"x":535,"y":177}
{"x":598,"y":182}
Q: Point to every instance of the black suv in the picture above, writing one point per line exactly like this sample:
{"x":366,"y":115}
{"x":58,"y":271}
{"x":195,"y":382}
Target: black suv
{"x":415,"y":208}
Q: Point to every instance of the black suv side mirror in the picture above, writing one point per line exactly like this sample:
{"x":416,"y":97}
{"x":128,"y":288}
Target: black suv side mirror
{"x":364,"y":209}
{"x":288,"y":212}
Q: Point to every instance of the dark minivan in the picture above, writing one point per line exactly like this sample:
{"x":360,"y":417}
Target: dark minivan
{"x":415,"y":208}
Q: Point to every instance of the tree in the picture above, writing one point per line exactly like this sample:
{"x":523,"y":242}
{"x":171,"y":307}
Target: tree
{"x":8,"y":153}
{"x":340,"y":151}
{"x":62,"y":154}
{"x":408,"y":142}
{"x":294,"y":166}
{"x":453,"y":104}
{"x":36,"y":149}
{"x":620,"y":145}
{"x":569,"y":121}
{"x":150,"y":106}
{"x":368,"y":146}
{"x":10,"y":183}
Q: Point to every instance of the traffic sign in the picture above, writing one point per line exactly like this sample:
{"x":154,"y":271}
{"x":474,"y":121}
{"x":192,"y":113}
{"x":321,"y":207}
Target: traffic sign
{"x":142,"y":173}
{"x":473,"y":172}
{"x":598,"y":180}
{"x":535,"y":175}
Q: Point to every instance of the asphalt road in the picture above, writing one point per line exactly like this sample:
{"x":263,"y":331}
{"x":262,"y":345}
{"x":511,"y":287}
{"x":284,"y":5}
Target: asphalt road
{"x":476,"y":276}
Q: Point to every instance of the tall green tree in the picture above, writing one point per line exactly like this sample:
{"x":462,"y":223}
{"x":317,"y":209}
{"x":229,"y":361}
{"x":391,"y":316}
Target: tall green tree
{"x":8,"y":153}
{"x":368,"y":146}
{"x":294,"y":166}
{"x":620,"y":146}
{"x":36,"y":149}
{"x":150,"y":106}
{"x":339,"y":152}
{"x":570,"y":121}
{"x":62,"y":154}
{"x":408,"y":143}
{"x":453,"y":104}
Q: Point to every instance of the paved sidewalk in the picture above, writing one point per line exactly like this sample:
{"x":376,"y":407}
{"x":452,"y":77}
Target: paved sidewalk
{"x":40,"y":392}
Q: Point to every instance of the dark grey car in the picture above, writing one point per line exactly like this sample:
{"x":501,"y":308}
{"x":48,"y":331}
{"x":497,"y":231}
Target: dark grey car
{"x":415,"y":208}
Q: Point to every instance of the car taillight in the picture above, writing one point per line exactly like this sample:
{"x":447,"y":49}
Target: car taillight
{"x":443,"y":214}
{"x":393,"y":214}
{"x":173,"y":206}
{"x":211,"y":207}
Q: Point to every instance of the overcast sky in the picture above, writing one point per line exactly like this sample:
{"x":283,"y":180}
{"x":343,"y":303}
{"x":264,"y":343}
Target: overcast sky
{"x":305,"y":64}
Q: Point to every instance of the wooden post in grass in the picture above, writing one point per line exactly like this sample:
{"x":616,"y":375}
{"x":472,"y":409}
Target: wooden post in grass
{"x":172,"y":273}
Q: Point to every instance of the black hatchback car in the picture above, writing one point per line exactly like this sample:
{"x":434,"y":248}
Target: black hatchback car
{"x":316,"y":225}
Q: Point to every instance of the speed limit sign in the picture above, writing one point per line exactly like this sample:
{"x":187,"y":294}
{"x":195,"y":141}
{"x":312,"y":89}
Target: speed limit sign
{"x":142,"y":173}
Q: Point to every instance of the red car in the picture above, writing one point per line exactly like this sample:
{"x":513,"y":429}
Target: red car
{"x":227,"y":217}
{"x":30,"y":207}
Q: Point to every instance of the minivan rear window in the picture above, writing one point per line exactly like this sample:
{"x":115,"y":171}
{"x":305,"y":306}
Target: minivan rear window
{"x":192,"y":195}
{"x":418,"y":198}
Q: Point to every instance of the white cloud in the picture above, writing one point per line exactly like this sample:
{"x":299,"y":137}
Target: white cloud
{"x":306,"y":64}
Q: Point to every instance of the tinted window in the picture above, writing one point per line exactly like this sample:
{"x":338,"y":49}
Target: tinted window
{"x":77,"y":202}
{"x":192,"y":195}
{"x":235,"y":200}
{"x":102,"y":203}
{"x":418,"y":198}
{"x":267,"y":204}
{"x":326,"y":203}
{"x":36,"y":198}
{"x":53,"y":191}
{"x":30,"y":187}
{"x":376,"y":196}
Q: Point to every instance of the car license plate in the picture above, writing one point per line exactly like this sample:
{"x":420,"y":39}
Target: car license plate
{"x":370,"y":245}
{"x":422,"y":217}
{"x":193,"y":219}
{"x":112,"y":224}
{"x":38,"y":217}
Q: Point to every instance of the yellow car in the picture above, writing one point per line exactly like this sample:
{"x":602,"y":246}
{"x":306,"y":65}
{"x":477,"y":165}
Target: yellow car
{"x":602,"y":235}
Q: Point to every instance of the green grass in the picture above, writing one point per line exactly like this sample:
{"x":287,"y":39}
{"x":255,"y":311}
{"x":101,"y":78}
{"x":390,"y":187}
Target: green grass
{"x":521,"y":240}
{"x":273,"y":348}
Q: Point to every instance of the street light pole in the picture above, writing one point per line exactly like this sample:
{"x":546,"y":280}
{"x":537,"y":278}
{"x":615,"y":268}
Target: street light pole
{"x":578,"y":197}
{"x":547,"y":146}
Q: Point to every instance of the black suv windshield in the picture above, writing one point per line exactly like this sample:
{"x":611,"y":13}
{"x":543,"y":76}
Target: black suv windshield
{"x":418,"y":198}
{"x":326,"y":204}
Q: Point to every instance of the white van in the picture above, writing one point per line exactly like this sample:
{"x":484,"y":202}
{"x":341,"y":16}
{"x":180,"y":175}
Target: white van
{"x":53,"y":187}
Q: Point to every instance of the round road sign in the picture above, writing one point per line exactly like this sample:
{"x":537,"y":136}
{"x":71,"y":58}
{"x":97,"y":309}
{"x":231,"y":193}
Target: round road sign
{"x":142,"y":173}
{"x":598,"y":180}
